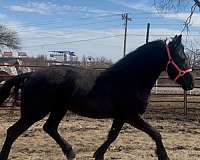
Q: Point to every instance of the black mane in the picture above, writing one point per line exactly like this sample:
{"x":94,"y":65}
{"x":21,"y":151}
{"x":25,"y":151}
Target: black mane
{"x":136,"y":62}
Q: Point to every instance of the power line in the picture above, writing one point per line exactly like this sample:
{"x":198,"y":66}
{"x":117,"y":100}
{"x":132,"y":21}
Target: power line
{"x":69,"y":33}
{"x":52,"y":22}
{"x":157,"y":13}
{"x":157,"y":23}
{"x":157,"y":35}
{"x":75,"y":41}
{"x":69,"y":26}
{"x":63,"y":36}
{"x":99,"y":38}
{"x":75,"y":25}
{"x":103,"y":16}
{"x":86,"y":24}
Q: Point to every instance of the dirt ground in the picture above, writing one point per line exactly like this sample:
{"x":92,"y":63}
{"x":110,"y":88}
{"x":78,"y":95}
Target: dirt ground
{"x":181,"y":138}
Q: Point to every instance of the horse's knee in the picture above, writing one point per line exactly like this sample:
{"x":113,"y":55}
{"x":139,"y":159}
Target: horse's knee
{"x":10,"y":132}
{"x":157,"y":136}
{"x":48,"y":129}
{"x":112,"y":134}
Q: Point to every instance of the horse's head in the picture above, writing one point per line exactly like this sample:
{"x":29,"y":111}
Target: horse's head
{"x":178,"y":67}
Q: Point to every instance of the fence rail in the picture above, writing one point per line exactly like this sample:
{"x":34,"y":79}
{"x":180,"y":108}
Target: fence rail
{"x":165,"y":92}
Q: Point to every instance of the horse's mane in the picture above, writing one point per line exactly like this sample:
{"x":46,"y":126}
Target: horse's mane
{"x":132,"y":60}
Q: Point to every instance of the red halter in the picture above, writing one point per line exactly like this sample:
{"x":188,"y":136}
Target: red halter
{"x":181,"y":72}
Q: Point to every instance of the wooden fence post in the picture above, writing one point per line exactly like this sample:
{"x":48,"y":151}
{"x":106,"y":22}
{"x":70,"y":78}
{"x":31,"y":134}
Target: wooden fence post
{"x":185,"y":103}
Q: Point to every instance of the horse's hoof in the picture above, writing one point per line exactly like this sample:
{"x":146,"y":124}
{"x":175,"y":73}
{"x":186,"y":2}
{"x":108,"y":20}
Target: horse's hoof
{"x":2,"y":157}
{"x":72,"y":159}
{"x":98,"y":156}
{"x":71,"y":155}
{"x":163,"y":157}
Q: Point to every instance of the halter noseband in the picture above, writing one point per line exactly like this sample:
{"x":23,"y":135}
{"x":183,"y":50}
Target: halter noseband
{"x":181,"y":72}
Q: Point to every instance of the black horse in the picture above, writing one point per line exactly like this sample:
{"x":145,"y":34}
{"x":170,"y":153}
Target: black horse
{"x":120,"y":92}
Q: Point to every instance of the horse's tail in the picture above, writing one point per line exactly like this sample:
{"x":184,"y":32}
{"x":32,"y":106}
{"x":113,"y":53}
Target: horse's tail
{"x":16,"y":81}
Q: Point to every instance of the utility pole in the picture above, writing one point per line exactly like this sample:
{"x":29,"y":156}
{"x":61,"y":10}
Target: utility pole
{"x":126,"y":19}
{"x":147,"y":35}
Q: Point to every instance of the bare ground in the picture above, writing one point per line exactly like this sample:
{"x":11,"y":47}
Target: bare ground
{"x":181,"y":138}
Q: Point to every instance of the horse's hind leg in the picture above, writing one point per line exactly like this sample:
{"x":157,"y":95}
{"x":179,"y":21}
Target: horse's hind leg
{"x":140,"y":124}
{"x":51,"y":127}
{"x":112,"y":135}
{"x":13,"y":133}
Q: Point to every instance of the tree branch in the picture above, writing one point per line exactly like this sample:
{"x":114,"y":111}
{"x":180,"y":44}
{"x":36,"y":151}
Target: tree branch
{"x":189,"y":18}
{"x":197,"y":2}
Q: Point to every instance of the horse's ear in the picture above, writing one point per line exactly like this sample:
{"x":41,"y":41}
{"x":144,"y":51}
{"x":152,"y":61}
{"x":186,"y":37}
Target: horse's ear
{"x":179,"y":36}
{"x":165,"y":40}
{"x":177,"y":39}
{"x":174,"y":38}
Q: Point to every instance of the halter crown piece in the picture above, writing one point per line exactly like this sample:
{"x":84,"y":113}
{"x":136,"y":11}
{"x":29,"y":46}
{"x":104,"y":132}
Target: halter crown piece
{"x":181,"y":72}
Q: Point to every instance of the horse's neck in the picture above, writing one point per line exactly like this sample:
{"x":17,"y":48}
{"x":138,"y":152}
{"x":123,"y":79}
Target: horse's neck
{"x":151,"y":68}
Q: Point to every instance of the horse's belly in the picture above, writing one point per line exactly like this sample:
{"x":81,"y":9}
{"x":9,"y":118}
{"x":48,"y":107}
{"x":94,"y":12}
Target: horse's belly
{"x":93,"y":108}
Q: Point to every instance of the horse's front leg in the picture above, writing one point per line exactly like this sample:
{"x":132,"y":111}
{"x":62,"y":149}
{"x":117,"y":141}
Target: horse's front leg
{"x":140,"y":124}
{"x":112,"y":135}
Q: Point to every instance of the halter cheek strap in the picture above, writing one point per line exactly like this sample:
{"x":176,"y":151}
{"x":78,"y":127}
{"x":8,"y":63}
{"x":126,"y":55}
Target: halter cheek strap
{"x":181,"y":72}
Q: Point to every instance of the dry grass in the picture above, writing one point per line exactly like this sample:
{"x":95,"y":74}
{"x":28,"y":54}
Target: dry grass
{"x":181,"y":138}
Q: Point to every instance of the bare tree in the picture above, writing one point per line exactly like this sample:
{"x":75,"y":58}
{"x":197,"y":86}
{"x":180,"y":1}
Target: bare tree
{"x":166,"y":5}
{"x":96,"y":62}
{"x":194,"y":55}
{"x":175,"y":5}
{"x":9,"y":38}
{"x":103,"y":62}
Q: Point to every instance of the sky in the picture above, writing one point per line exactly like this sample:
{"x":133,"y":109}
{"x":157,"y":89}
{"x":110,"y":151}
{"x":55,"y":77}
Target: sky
{"x":94,"y":27}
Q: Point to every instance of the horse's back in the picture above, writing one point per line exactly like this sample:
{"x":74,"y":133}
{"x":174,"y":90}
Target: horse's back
{"x":48,"y":89}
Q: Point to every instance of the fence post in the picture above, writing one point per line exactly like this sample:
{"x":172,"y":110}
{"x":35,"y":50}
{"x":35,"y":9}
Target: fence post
{"x":185,"y":103}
